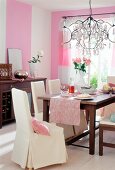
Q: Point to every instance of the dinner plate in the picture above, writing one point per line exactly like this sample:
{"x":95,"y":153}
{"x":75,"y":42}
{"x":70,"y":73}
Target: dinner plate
{"x":84,"y":97}
{"x":66,"y":94}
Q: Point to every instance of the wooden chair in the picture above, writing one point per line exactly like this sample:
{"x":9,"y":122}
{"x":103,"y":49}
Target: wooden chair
{"x":107,"y":110}
{"x":105,"y":125}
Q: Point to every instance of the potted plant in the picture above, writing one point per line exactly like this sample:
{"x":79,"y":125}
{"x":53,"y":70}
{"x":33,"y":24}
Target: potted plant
{"x":33,"y":64}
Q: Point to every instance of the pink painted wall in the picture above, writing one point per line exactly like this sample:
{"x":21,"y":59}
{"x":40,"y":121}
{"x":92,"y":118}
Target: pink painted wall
{"x":18,"y":28}
{"x":55,"y":33}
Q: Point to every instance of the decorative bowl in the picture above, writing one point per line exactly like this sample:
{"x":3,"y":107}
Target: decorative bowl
{"x":21,"y":74}
{"x":86,"y":90}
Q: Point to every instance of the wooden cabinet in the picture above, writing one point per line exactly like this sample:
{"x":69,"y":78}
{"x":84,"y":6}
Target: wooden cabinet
{"x":6,"y":107}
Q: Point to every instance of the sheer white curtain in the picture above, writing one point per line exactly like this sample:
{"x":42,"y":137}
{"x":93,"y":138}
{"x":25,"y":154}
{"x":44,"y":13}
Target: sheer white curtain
{"x":102,"y":64}
{"x":65,"y":57}
{"x":67,"y":52}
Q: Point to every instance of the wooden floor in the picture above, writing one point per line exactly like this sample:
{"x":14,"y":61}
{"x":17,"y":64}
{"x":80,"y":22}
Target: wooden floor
{"x":79,"y":158}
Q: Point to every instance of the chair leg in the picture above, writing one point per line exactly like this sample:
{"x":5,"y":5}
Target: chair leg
{"x":100,"y":141}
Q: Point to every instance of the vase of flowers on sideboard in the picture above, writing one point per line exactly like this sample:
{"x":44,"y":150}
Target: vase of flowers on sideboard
{"x":34,"y":64}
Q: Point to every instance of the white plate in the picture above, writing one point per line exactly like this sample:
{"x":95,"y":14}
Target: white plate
{"x":84,"y":97}
{"x":66,"y":95}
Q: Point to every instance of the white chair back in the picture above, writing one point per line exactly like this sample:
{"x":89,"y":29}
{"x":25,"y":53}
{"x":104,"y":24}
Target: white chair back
{"x":38,"y":89}
{"x":21,"y":110}
{"x":54,"y":86}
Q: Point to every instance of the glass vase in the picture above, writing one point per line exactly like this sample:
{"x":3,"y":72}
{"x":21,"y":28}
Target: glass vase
{"x":79,"y":80}
{"x":34,"y":69}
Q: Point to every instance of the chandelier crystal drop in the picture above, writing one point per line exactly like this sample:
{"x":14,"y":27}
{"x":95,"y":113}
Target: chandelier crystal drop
{"x":90,"y":34}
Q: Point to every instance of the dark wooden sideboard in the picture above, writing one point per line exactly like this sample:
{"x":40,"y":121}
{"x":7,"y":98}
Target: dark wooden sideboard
{"x":6,"y":107}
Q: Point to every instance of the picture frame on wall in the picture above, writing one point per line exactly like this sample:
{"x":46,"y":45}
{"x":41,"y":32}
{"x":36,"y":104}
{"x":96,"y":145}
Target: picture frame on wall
{"x":15,"y":58}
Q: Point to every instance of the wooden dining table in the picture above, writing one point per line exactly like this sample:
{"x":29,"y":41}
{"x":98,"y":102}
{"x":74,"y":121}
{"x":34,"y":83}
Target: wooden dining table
{"x":90,"y":106}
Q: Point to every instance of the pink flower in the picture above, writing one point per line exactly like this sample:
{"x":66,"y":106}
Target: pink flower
{"x":87,"y":61}
{"x":78,"y":60}
{"x":80,"y":64}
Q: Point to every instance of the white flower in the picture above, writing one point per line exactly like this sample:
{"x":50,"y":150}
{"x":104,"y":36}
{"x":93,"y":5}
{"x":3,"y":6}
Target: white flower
{"x":41,"y":53}
{"x":37,"y":59}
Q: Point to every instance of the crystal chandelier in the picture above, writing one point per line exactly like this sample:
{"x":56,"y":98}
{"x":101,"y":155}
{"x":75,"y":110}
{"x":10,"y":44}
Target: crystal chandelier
{"x":90,"y":34}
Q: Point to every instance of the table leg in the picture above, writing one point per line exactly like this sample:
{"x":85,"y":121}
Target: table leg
{"x":87,"y":116}
{"x":92,"y":117}
{"x":46,"y":110}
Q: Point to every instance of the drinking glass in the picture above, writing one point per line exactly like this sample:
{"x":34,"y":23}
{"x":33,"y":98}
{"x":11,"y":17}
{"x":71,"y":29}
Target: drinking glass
{"x":71,"y":89}
{"x":64,"y":88}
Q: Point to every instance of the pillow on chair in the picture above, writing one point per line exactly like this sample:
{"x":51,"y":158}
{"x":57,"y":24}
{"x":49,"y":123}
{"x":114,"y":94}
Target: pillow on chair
{"x":39,"y":127}
{"x":112,"y":117}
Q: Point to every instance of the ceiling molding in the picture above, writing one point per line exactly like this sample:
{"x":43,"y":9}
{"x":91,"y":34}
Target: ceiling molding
{"x":63,"y":5}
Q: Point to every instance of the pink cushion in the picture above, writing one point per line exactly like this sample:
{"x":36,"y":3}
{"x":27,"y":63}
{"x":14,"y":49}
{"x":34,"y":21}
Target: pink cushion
{"x":39,"y":127}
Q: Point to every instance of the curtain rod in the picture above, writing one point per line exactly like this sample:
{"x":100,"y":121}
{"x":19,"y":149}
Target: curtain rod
{"x":87,"y":15}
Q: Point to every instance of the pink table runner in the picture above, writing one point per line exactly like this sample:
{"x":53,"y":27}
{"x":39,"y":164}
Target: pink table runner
{"x":65,"y":111}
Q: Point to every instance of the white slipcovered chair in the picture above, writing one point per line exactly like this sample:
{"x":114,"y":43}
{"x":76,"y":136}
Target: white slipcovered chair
{"x":69,"y":130}
{"x":54,"y":86}
{"x":32,"y":150}
{"x":38,"y":89}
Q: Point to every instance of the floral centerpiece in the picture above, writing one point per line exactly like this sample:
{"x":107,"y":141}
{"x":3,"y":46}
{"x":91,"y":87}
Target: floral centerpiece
{"x":80,"y":64}
{"x":80,"y":67}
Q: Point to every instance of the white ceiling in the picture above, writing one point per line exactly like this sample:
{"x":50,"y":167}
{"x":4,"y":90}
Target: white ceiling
{"x":62,"y":5}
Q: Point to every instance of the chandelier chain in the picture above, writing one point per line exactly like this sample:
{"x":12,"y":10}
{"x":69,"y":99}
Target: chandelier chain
{"x":90,"y":7}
